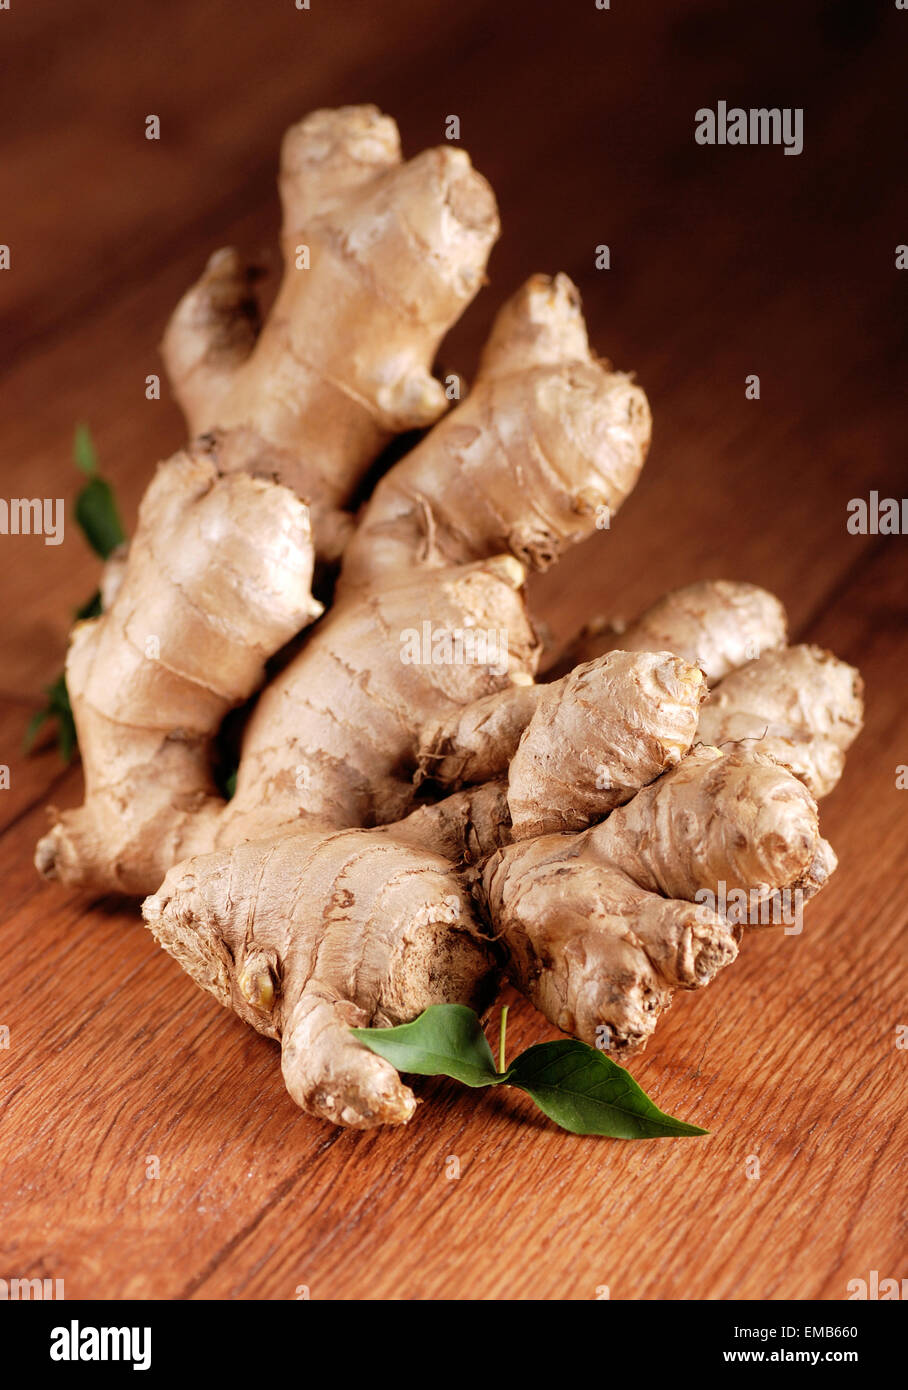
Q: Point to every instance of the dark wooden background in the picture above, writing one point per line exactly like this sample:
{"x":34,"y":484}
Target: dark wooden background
{"x":724,"y":262}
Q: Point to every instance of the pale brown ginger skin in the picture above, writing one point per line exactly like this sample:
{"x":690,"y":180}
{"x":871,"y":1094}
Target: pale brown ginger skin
{"x":718,"y":624}
{"x":309,"y":935}
{"x":548,"y":444}
{"x":283,"y":930}
{"x":404,"y":828}
{"x":343,"y":362}
{"x":801,"y":705}
{"x":575,"y":749}
{"x":602,"y":927}
{"x":334,"y":739}
{"x":218,"y":578}
{"x":344,"y":718}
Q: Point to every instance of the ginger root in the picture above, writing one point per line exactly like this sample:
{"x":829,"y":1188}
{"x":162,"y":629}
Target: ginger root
{"x":416,"y":815}
{"x":380,"y":258}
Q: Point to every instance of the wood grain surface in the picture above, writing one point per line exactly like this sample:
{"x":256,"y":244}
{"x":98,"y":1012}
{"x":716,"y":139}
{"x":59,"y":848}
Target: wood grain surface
{"x":725,"y":261}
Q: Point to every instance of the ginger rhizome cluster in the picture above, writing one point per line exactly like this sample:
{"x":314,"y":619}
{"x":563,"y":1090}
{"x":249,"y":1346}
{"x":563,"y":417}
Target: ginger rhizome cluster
{"x":409,"y":832}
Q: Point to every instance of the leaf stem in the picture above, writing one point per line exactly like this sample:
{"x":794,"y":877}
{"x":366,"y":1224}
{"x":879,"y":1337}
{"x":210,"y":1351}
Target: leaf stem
{"x":502,"y":1031}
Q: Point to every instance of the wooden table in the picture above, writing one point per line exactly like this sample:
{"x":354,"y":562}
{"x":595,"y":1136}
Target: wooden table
{"x":725,"y":262}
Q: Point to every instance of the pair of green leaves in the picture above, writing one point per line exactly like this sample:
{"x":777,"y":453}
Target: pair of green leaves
{"x":577,"y":1086}
{"x":98,"y":517}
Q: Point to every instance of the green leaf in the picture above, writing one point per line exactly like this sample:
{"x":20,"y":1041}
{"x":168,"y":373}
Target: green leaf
{"x":84,"y":455}
{"x":66,"y":736}
{"x":96,"y":508}
{"x":34,"y":727}
{"x":91,"y":608}
{"x":585,"y":1092}
{"x":577,"y":1086}
{"x":96,"y":513}
{"x":58,"y":708}
{"x":446,"y":1040}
